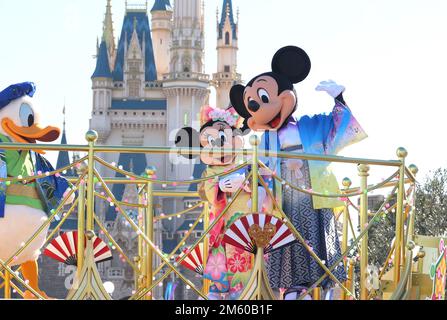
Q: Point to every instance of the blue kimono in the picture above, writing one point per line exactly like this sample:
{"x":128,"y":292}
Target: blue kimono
{"x":292,"y":266}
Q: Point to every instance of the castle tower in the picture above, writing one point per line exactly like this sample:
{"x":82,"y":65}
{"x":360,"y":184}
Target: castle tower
{"x":63,"y":158}
{"x":161,"y":35}
{"x":227,"y":48}
{"x":186,"y":85}
{"x":102,"y":85}
{"x":129,"y":107}
{"x":108,"y":35}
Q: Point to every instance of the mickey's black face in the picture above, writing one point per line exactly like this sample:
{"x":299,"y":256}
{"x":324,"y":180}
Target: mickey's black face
{"x":268,"y":109}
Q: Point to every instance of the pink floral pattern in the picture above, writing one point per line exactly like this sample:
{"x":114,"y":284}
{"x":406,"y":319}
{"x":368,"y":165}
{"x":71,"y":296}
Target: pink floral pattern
{"x":237,"y":264}
{"x":216,"y":266}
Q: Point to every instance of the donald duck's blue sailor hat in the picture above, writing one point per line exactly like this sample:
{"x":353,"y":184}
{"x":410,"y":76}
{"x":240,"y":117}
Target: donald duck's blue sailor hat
{"x":16,"y":91}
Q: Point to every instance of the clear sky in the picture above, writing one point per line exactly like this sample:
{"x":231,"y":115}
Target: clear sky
{"x":391,"y":56}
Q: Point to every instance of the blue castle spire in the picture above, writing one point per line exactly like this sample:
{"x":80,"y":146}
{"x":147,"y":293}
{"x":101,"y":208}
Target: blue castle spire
{"x":63,"y":159}
{"x":139,"y":20}
{"x":227,"y":10}
{"x":102,"y":63}
{"x":162,"y":5}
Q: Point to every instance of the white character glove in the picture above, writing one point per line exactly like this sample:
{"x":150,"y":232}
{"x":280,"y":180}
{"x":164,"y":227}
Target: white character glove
{"x":331,"y":88}
{"x":231,"y":183}
{"x":295,"y":165}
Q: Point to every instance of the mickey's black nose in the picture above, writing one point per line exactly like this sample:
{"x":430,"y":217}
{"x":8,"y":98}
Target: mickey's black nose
{"x":253,"y":105}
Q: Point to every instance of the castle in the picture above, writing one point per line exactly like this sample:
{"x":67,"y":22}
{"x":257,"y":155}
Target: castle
{"x":146,"y":86}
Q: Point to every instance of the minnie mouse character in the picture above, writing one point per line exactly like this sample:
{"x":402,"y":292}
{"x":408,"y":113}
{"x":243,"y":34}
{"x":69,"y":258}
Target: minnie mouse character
{"x":227,"y":267}
{"x":267,"y":104}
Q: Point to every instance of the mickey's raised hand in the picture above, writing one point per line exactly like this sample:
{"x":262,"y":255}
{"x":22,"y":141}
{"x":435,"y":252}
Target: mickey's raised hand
{"x":331,"y":88}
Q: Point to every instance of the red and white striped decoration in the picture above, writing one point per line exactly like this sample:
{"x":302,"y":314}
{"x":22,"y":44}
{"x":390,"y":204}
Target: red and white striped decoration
{"x":64,"y":249}
{"x":193,"y":260}
{"x":237,"y":234}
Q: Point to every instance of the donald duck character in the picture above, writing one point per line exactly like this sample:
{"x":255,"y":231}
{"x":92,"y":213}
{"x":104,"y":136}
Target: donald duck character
{"x":25,"y":204}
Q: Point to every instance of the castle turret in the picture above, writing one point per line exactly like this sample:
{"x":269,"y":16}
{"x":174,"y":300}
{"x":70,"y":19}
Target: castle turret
{"x":63,"y":159}
{"x":108,"y":34}
{"x":227,"y":48}
{"x":102,"y":85}
{"x":186,"y":85}
{"x":161,"y":35}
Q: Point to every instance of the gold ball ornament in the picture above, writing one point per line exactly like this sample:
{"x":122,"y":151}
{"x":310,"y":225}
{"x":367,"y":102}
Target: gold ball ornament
{"x":413,"y":169}
{"x":346,"y":183}
{"x":402,"y":152}
{"x":90,"y":234}
{"x":91,"y":136}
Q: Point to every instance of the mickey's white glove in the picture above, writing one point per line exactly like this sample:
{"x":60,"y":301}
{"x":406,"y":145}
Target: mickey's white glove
{"x":231,"y":183}
{"x":331,"y":88}
{"x":295,"y":165}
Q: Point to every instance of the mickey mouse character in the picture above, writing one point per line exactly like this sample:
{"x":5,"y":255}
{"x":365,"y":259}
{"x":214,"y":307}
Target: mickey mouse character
{"x":228,"y":267}
{"x":267,"y":103}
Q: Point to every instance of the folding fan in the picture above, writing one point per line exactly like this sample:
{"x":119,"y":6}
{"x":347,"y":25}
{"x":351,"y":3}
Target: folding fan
{"x":193,"y":260}
{"x":262,"y":226}
{"x":64,"y":249}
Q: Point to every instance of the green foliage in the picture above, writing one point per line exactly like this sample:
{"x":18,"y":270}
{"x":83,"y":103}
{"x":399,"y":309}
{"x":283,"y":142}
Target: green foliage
{"x":431,"y":205}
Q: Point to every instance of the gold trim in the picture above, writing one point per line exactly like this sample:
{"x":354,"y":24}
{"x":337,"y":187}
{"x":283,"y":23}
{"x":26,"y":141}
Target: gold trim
{"x":18,"y":190}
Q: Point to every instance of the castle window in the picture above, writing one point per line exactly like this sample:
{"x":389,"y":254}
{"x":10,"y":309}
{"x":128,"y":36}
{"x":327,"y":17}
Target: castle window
{"x":134,"y":66}
{"x":227,"y":38}
{"x":134,"y":88}
{"x":227,"y":69}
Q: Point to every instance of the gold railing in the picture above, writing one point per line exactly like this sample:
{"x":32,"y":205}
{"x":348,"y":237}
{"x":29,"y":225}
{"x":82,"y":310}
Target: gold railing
{"x":88,"y":284}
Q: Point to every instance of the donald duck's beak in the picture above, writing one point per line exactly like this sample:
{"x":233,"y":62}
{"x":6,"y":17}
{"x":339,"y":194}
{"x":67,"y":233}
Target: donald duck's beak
{"x":29,"y":134}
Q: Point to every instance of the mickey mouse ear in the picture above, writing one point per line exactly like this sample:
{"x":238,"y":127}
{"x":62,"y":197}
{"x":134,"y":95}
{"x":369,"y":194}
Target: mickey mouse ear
{"x":292,"y":62}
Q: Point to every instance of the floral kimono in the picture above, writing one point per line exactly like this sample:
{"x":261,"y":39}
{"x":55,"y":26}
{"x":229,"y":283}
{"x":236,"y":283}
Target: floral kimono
{"x":228,"y":267}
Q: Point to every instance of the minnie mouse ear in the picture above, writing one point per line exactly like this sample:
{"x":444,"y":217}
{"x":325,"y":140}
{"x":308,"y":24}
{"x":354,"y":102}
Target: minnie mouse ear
{"x":292,"y":62}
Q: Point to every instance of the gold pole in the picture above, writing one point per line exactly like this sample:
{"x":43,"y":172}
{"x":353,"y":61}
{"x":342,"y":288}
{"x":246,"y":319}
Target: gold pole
{"x":414,"y":170}
{"x":206,"y":247}
{"x":255,"y":141}
{"x":350,"y":284}
{"x":91,"y":137}
{"x":7,"y":288}
{"x":149,"y":230}
{"x":363,"y":173}
{"x":140,"y":278}
{"x":402,"y":154}
{"x":344,"y":244}
{"x":316,"y":294}
{"x":81,"y":230}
